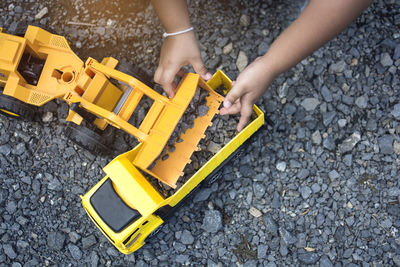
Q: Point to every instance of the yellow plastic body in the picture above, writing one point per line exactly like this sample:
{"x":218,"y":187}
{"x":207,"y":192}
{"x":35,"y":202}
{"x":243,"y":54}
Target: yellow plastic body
{"x":138,"y":193}
{"x":40,"y":44}
{"x":88,"y":86}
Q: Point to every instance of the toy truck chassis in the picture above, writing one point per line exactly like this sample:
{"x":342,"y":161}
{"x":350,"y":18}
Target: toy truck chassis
{"x":125,"y":206}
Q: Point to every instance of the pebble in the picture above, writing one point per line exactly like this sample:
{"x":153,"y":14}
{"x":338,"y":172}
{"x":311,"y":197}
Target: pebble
{"x":9,"y":251}
{"x":362,"y":101}
{"x":270,"y":224}
{"x":326,"y":94}
{"x":245,"y":20}
{"x":212,"y":221}
{"x":385,"y":143}
{"x":281,"y":166}
{"x":308,"y":257}
{"x":316,"y":137}
{"x":47,"y":117}
{"x":309,"y":104}
{"x":337,"y":67}
{"x":386,"y":60}
{"x":227,"y":49}
{"x":396,"y":111}
{"x":305,"y":192}
{"x":342,"y":122}
{"x":187,"y":238}
{"x":76,"y":253}
{"x":41,"y":13}
{"x":55,"y":240}
{"x":349,"y":143}
{"x":242,"y":61}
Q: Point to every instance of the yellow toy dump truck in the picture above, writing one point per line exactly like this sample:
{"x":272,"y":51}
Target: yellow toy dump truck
{"x":125,"y":206}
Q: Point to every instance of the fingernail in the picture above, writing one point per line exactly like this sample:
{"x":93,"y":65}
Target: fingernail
{"x":227,"y":104}
{"x":208,"y":76}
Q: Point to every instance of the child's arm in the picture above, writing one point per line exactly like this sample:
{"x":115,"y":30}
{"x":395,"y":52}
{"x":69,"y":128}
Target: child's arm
{"x":178,"y":50}
{"x":320,"y":21}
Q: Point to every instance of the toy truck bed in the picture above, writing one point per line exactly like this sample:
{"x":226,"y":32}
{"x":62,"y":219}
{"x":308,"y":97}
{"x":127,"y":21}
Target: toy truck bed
{"x":126,"y":207}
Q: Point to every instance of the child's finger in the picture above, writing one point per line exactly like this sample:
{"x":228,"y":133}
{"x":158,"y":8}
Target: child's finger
{"x":199,"y":68}
{"x":234,"y":94}
{"x":235,"y":108}
{"x":245,"y":114}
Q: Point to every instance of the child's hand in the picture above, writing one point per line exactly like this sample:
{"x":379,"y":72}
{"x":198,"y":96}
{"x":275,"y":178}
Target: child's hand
{"x":176,"y":52}
{"x":250,"y":85}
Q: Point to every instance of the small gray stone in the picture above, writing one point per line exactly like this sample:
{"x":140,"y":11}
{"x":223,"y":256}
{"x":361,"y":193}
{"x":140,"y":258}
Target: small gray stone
{"x":9,"y":251}
{"x":47,"y":117}
{"x":212,"y":221}
{"x":386,"y":144}
{"x":281,"y":166}
{"x":327,"y":117}
{"x":396,"y":111}
{"x":303,"y":174}
{"x":259,"y":190}
{"x":187,"y":238}
{"x":55,"y":240}
{"x":276,"y":201}
{"x":305,"y":191}
{"x":349,"y":143}
{"x":342,"y":123}
{"x":316,"y":188}
{"x":337,"y":67}
{"x":5,"y":150}
{"x":182,"y":259}
{"x":308,"y":257}
{"x":287,"y":237}
{"x":270,"y":224}
{"x":309,"y":104}
{"x":333,"y":175}
{"x":203,"y":110}
{"x":362,"y":101}
{"x":88,"y":241}
{"x":386,"y":60}
{"x":348,"y":160}
{"x":329,"y":143}
{"x":325,"y":262}
{"x":76,"y":253}
{"x":94,"y":259}
{"x":386,"y":223}
{"x":396,"y":260}
{"x":326,"y":94}
{"x":262,"y":251}
{"x":316,"y":137}
{"x":11,"y":207}
{"x":54,"y":185}
{"x":202,"y":195}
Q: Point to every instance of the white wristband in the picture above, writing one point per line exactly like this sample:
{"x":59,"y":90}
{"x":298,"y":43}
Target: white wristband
{"x":165,"y":35}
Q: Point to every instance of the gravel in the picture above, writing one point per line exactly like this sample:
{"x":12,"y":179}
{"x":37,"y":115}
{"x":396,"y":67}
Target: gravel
{"x":324,"y":176}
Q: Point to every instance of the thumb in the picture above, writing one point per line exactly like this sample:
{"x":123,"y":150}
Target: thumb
{"x":199,"y":68}
{"x":234,"y":94}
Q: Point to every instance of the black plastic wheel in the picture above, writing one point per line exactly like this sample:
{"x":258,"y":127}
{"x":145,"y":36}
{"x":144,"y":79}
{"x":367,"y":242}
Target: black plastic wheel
{"x":86,"y":138}
{"x":12,"y":107}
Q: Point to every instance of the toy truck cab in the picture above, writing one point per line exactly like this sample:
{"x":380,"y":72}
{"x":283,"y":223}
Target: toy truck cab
{"x":127,"y":208}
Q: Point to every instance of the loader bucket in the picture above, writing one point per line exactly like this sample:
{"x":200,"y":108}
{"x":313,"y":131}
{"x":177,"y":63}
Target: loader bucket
{"x":169,"y":170}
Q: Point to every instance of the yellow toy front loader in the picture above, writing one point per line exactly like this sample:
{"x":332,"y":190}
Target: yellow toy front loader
{"x":40,"y":66}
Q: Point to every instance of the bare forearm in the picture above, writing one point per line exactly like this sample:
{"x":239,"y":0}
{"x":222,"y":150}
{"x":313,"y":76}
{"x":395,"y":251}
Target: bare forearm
{"x":320,"y":21}
{"x":173,"y":14}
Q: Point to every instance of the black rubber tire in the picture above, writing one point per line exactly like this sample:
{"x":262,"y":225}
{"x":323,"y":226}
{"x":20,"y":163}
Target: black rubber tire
{"x":14,"y":108}
{"x":87,"y":139}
